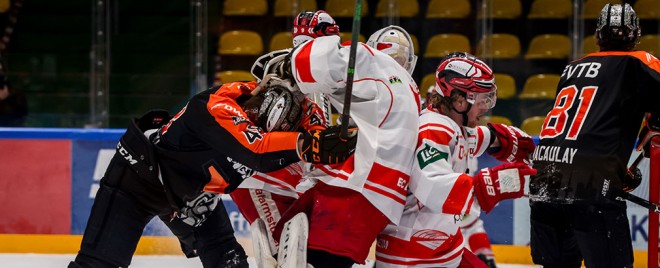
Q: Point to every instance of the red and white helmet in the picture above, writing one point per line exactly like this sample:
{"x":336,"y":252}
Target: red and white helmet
{"x":309,"y":25}
{"x":396,"y":42}
{"x":464,"y":72}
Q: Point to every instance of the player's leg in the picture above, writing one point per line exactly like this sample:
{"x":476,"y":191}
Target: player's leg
{"x":603,"y":234}
{"x":474,"y":233}
{"x":113,"y":230}
{"x":342,"y":227}
{"x":213,"y":241}
{"x":552,"y":241}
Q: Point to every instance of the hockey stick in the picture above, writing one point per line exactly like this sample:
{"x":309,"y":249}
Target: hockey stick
{"x":622,"y":195}
{"x":351,"y":70}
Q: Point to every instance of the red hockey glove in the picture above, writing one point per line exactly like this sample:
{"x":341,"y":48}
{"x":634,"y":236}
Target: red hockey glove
{"x":326,"y":147}
{"x":515,"y":144}
{"x":506,"y":181}
{"x":312,"y":117}
{"x":650,"y":128}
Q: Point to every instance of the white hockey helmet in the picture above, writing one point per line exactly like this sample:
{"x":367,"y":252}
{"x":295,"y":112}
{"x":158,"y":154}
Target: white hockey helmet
{"x":396,"y":42}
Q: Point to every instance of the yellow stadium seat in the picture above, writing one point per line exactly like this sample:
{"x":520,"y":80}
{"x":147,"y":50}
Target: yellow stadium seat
{"x":240,"y":43}
{"x":440,"y":45}
{"x":495,"y":119}
{"x":647,"y":9}
{"x":532,"y":125}
{"x":499,"y":46}
{"x":291,"y":8}
{"x":540,"y":86}
{"x":501,"y":9}
{"x":344,"y":8}
{"x":427,"y":82}
{"x":592,"y":8}
{"x":650,"y":43}
{"x":415,"y":44}
{"x":281,"y":40}
{"x":245,"y":8}
{"x":589,"y":45}
{"x":234,"y":76}
{"x":397,"y":8}
{"x":506,"y":86}
{"x":448,"y":9}
{"x":549,"y":46}
{"x":551,"y":9}
{"x":4,"y":5}
{"x":346,"y":36}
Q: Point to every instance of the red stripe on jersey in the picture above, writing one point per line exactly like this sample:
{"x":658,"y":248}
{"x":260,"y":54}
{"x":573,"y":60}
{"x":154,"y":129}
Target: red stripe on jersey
{"x":303,"y":63}
{"x":389,"y":177}
{"x":368,"y":48}
{"x":333,"y":170}
{"x":480,"y":139}
{"x":458,"y":195}
{"x":439,"y":137}
{"x":417,"y":97}
{"x":273,"y":182}
{"x":417,"y":253}
{"x":385,"y":193}
{"x":448,"y":129}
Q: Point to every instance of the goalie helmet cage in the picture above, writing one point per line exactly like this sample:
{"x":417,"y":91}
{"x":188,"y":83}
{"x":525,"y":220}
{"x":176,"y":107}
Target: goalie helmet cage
{"x":654,"y":197}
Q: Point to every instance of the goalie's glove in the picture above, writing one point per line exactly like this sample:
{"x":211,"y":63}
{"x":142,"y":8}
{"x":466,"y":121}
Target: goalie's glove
{"x":515,"y":144}
{"x":631,"y":180}
{"x":506,"y":181}
{"x":326,"y":146}
{"x":650,"y":128}
{"x":196,"y":211}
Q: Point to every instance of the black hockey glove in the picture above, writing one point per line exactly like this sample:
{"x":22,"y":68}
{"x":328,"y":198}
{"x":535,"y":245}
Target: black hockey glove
{"x":631,"y":180}
{"x":326,"y":147}
{"x":196,"y":211}
{"x":650,"y":129}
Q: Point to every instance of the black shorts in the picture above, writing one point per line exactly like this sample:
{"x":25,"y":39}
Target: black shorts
{"x":562,"y":235}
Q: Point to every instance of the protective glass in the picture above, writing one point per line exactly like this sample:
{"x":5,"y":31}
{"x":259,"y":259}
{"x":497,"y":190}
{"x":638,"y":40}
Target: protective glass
{"x":483,"y":100}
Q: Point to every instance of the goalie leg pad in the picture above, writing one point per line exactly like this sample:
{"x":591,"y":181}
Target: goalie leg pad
{"x":262,"y":245}
{"x":293,"y":243}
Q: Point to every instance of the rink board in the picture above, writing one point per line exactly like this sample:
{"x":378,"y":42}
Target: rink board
{"x":50,"y":177}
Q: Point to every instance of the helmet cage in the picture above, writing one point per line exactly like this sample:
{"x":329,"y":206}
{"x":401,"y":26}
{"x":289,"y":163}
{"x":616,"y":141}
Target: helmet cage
{"x":405,"y":56}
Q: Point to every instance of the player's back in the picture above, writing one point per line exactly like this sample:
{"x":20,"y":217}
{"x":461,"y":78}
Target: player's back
{"x":589,"y":134}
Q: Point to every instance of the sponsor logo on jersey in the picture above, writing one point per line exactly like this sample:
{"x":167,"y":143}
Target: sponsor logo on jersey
{"x":429,"y":155}
{"x":239,"y":120}
{"x":431,"y":239}
{"x":395,"y":80}
{"x":245,"y":171}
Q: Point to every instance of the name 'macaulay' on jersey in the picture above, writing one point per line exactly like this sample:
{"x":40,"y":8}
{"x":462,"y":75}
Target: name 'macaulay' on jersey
{"x":440,"y":195}
{"x":385,"y":104}
{"x":571,"y":169}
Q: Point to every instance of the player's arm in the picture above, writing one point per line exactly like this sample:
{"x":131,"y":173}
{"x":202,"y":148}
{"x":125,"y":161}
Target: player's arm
{"x":649,"y":79}
{"x":438,"y":187}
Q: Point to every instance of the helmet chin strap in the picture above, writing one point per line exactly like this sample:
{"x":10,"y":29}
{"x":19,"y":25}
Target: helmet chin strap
{"x":464,"y":113}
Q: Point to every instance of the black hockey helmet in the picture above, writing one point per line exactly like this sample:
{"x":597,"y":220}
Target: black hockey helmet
{"x":617,"y":28}
{"x":275,"y":108}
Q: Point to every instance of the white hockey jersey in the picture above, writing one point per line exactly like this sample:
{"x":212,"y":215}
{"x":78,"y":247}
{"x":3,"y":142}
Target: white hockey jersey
{"x":281,"y":182}
{"x":440,"y":194}
{"x":385,"y":104}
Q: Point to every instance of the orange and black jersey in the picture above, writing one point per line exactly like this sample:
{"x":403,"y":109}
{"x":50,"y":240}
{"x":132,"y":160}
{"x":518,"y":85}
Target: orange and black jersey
{"x":589,"y":134}
{"x":211,"y":145}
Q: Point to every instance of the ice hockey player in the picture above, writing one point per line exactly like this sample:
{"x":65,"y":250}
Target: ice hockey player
{"x":354,"y":201}
{"x":585,"y":143}
{"x":441,"y":192}
{"x":174,"y":169}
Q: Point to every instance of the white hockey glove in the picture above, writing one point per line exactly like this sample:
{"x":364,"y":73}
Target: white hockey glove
{"x":196,"y":211}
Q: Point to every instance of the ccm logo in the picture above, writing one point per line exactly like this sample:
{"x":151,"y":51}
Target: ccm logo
{"x":125,"y":154}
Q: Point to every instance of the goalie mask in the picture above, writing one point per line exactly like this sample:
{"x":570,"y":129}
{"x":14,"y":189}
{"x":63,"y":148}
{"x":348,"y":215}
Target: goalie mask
{"x":464,"y":72}
{"x":618,"y":27}
{"x":396,"y":42}
{"x":276,"y":108}
{"x":309,"y":25}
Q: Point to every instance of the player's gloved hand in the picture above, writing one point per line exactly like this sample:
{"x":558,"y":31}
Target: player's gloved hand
{"x":515,"y":144}
{"x":326,"y":146}
{"x":506,"y":181}
{"x":650,"y":128}
{"x":196,"y":211}
{"x":631,"y":180}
